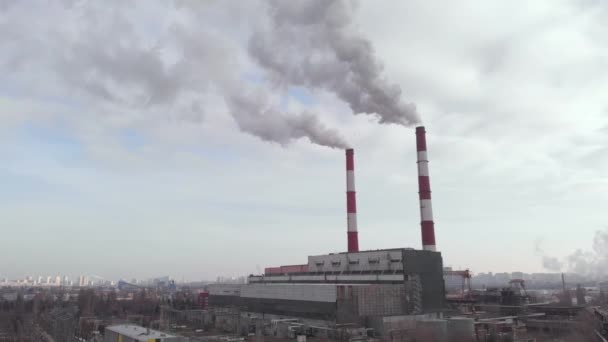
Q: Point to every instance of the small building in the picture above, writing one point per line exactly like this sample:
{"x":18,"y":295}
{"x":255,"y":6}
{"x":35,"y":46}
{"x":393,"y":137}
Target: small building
{"x":136,"y":333}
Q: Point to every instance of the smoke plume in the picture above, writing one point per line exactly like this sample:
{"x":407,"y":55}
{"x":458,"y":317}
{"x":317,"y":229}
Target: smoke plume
{"x":591,"y":263}
{"x":549,"y":263}
{"x":314,"y":44}
{"x":254,"y":115}
{"x":169,"y":72}
{"x":119,"y":66}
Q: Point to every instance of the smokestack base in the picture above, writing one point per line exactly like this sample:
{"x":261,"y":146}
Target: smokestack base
{"x":353,"y":242}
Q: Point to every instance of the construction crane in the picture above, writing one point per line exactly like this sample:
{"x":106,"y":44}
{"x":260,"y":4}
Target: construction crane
{"x":466,"y":276}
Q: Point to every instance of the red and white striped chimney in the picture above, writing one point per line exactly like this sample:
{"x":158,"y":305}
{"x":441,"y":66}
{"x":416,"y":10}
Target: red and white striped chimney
{"x":351,"y":202}
{"x":424,"y":194}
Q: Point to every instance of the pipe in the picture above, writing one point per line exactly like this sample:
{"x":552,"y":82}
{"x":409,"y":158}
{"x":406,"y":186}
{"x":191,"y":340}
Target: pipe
{"x":424,"y":193}
{"x":351,"y":203}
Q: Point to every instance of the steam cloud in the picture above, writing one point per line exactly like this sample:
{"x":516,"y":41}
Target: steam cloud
{"x":549,"y":263}
{"x":256,"y":117}
{"x":593,"y":263}
{"x":314,"y":44}
{"x":100,"y":53}
{"x":552,"y":263}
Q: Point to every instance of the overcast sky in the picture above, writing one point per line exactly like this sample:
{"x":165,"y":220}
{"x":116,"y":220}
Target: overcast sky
{"x":129,"y":149}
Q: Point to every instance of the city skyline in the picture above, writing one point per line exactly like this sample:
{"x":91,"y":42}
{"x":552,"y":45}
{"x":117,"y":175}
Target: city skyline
{"x":132,"y":144}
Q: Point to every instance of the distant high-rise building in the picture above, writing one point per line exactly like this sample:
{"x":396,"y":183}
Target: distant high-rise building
{"x":81,"y":281}
{"x":40,"y":280}
{"x":48,"y":280}
{"x":58,"y":280}
{"x":517,"y":275}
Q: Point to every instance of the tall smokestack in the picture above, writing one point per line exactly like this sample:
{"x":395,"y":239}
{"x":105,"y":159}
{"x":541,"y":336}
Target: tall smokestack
{"x":424,"y":192}
{"x":351,"y":202}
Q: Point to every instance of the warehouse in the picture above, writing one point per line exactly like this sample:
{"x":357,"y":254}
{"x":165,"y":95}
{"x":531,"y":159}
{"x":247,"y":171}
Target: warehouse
{"x":336,"y":303}
{"x":418,"y":271}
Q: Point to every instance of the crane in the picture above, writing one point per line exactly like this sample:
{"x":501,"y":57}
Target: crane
{"x":466,"y":276}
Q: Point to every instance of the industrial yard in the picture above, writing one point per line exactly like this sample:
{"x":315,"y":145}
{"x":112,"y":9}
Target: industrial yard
{"x":393,"y":294}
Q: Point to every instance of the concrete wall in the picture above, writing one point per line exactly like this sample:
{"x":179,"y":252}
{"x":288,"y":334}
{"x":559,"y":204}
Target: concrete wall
{"x":429,"y":267}
{"x":295,"y":308}
{"x":395,"y":325}
{"x":215,"y":300}
{"x":356,"y":304}
{"x":341,"y":303}
{"x":301,"y":292}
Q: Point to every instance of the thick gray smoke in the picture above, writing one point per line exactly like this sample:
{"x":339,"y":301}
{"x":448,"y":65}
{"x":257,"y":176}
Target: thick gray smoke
{"x":255,"y":116}
{"x":314,"y":44}
{"x":101,"y":56}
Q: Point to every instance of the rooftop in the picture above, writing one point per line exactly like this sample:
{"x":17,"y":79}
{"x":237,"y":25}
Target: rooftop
{"x":373,"y":250}
{"x":137,"y":332}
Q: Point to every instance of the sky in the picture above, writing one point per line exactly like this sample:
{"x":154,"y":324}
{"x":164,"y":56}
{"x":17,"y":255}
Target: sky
{"x":185,"y":138}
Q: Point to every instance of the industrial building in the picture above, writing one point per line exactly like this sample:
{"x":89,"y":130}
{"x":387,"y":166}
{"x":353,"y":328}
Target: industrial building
{"x":355,"y":288}
{"x":136,"y":333}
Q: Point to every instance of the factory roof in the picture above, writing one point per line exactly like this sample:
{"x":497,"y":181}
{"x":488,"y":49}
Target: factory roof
{"x":374,"y":250}
{"x":137,"y":332}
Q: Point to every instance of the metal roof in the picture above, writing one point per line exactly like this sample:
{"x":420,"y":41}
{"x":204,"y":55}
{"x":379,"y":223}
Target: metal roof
{"x":137,"y":332}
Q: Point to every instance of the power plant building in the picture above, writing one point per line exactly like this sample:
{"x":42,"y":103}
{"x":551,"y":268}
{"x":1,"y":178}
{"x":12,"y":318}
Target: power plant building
{"x":353,"y":287}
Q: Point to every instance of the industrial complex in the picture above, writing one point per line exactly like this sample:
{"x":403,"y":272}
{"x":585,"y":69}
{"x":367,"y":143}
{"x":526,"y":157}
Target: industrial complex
{"x":395,"y":294}
{"x":373,"y":289}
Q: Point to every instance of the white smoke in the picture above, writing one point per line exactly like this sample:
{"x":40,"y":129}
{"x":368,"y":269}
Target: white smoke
{"x":97,"y":55}
{"x":549,"y":263}
{"x":314,"y":44}
{"x":591,"y":263}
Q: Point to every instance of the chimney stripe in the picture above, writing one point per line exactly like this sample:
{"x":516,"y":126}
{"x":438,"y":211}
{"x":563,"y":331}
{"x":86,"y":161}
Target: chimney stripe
{"x":351,"y":203}
{"x":350,"y":180}
{"x":426,"y":210}
{"x":423,"y":168}
{"x":352,"y":222}
{"x":427,"y":226}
